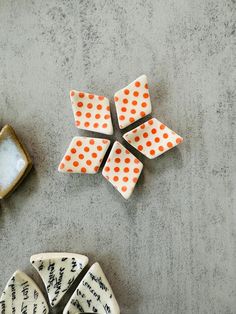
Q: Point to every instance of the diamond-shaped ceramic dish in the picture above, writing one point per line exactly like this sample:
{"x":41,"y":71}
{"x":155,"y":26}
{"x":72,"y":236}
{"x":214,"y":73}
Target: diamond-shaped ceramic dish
{"x":15,"y":162}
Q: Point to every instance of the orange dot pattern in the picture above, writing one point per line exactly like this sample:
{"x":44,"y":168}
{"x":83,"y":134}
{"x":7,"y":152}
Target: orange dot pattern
{"x":133,"y":102}
{"x":91,"y":112}
{"x":152,"y":138}
{"x":84,"y":155}
{"x":122,"y":169}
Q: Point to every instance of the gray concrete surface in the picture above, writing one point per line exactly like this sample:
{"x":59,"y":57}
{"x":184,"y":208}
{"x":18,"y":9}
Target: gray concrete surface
{"x":172,"y":247}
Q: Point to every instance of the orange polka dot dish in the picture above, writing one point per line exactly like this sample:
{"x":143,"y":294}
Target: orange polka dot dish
{"x":152,"y":138}
{"x":133,"y":102}
{"x":91,"y":112}
{"x":122,"y":169}
{"x":84,"y":155}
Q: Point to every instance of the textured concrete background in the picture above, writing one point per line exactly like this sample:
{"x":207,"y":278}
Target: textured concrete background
{"x":171,"y":248}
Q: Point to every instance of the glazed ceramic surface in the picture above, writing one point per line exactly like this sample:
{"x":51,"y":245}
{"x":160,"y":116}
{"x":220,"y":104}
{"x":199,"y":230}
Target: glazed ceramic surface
{"x":122,"y":169}
{"x":93,"y":295}
{"x":58,"y":271}
{"x":22,"y":296}
{"x":152,"y":138}
{"x":133,"y":102}
{"x":91,"y":112}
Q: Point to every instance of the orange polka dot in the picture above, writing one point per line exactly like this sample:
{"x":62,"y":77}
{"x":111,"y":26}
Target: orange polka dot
{"x":116,"y":169}
{"x":77,"y":123}
{"x":105,"y":141}
{"x":137,"y":138}
{"x":122,"y":117}
{"x":145,"y":134}
{"x":146,"y":85}
{"x":127,"y":160}
{"x":134,"y":102}
{"x":95,"y":125}
{"x":144,"y":104}
{"x":100,"y":97}
{"x":133,"y":111}
{"x":88,"y":115}
{"x":115,"y":178}
{"x":162,"y":126}
{"x":81,"y":95}
{"x":142,"y":126}
{"x":88,"y":162}
{"x":136,"y":170}
{"x":97,"y":116}
{"x":165,"y":135}
{"x":96,"y":169}
{"x":104,"y":125}
{"x":94,"y":155}
{"x":62,"y":166}
{"x":83,"y":169}
{"x":75,"y":163}
{"x":150,"y":122}
{"x":140,"y":148}
{"x":107,"y":116}
{"x":137,"y":84}
{"x":108,"y":108}
{"x":126,"y":169}
{"x":157,"y":140}
{"x":107,"y":169}
{"x":72,"y":93}
{"x":86,"y":124}
{"x":134,"y":131}
{"x":124,"y":188}
{"x":178,"y":140}
{"x":117,"y":160}
{"x":127,"y":152}
{"x":99,"y":148}
{"x":161,"y":148}
{"x":78,"y":143}
{"x":169,"y":144}
{"x":86,"y":149}
{"x":79,"y":104}
{"x":136,"y":93}
{"x":136,"y":161}
{"x":152,"y":152}
{"x":118,"y":151}
{"x":69,"y":170}
{"x":116,"y":98}
{"x":131,"y":120}
{"x":73,"y":150}
{"x":145,"y":95}
{"x":125,"y":101}
{"x":99,"y":107}
{"x":81,"y":156}
{"x":91,"y":141}
{"x":126,"y":91}
{"x":125,"y":179}
{"x":123,"y":109}
{"x":154,"y":131}
{"x":89,"y":105}
{"x":149,"y":143}
{"x":91,"y":96}
{"x":142,"y":114}
{"x":78,"y":113}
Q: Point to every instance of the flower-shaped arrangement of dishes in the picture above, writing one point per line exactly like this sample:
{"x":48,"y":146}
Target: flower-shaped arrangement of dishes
{"x":58,"y":272}
{"x":92,"y":113}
